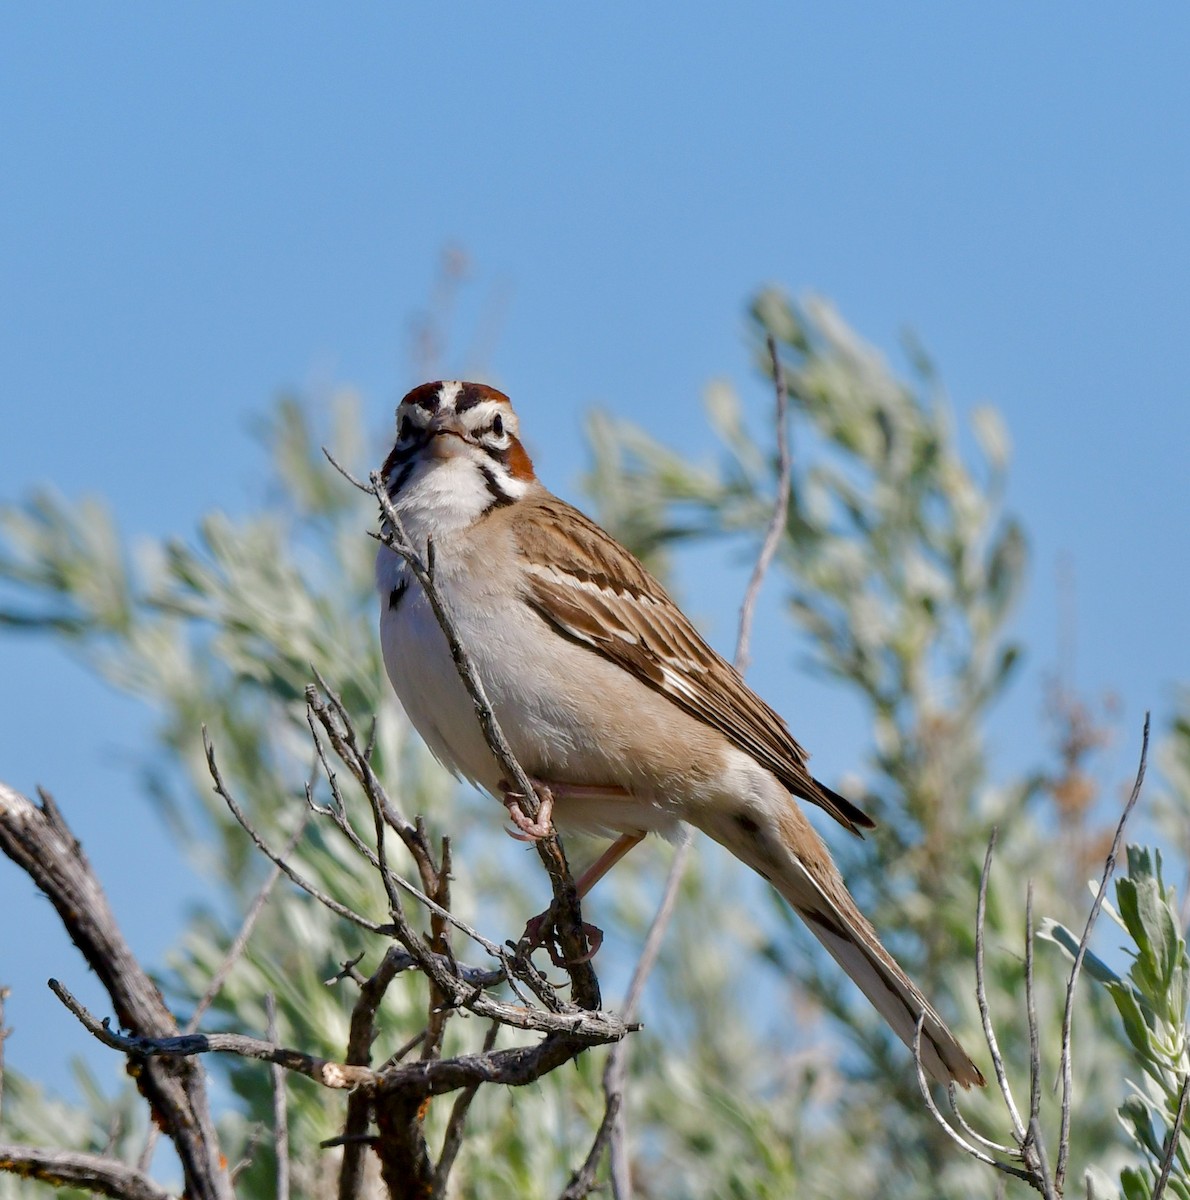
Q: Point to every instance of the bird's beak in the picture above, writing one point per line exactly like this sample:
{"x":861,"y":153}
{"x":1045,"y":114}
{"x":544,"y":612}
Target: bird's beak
{"x":444,"y":433}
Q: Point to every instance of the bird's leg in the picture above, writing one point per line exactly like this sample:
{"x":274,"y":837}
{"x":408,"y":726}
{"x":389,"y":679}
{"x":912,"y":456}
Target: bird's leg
{"x":608,"y":859}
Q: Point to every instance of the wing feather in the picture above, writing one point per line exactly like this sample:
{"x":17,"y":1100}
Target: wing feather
{"x":589,"y":588}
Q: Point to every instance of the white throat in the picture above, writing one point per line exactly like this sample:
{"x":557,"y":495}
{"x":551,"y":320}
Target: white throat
{"x":441,"y":496}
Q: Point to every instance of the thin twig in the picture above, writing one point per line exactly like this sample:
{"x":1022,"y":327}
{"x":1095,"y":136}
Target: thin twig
{"x":1033,"y":1149}
{"x":4,"y":994}
{"x":616,"y":1070}
{"x":1174,"y":1134}
{"x":924,"y":1084}
{"x":39,"y":841}
{"x":952,"y":1096}
{"x":189,"y":1045}
{"x":1031,"y":1014}
{"x":335,"y":719}
{"x":780,"y":514}
{"x":514,"y":1067}
{"x":280,"y":1112}
{"x":238,"y":945}
{"x":403,"y":1051}
{"x":452,"y":1140}
{"x":1109,"y":867}
{"x":1041,"y":1168}
{"x":582,"y":1182}
{"x":233,"y":955}
{"x":327,"y":901}
{"x":248,"y":1155}
{"x":981,"y":993}
{"x":351,"y":479}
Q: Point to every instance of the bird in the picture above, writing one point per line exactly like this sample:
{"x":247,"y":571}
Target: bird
{"x":626,"y":720}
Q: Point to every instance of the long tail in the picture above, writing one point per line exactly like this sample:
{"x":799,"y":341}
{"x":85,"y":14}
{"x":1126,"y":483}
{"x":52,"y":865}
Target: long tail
{"x":793,"y":858}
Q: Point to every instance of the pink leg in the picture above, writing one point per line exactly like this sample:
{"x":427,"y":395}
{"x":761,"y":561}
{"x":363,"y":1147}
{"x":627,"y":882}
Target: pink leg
{"x":537,"y":930}
{"x":608,"y":859}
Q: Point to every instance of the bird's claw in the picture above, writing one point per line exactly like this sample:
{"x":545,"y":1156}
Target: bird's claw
{"x":541,"y":931}
{"x":531,"y":830}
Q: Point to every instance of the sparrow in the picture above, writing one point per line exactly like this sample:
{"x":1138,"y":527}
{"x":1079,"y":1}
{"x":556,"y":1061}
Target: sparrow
{"x":608,"y":696}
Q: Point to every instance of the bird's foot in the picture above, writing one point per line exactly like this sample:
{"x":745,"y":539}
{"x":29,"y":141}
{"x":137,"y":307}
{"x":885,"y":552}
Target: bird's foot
{"x":530,"y":830}
{"x":541,"y":930}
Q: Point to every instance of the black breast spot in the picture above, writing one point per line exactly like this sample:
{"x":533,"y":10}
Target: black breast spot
{"x":394,"y":597}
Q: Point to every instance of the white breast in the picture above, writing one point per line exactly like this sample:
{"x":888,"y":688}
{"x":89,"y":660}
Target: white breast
{"x":557,"y":703}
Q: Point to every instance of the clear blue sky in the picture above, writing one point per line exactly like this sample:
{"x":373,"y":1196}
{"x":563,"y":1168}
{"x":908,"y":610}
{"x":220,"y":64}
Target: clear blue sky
{"x":201,"y":205}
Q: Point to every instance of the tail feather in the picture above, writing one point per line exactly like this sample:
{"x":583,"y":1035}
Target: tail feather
{"x":784,"y":848}
{"x":895,"y":997}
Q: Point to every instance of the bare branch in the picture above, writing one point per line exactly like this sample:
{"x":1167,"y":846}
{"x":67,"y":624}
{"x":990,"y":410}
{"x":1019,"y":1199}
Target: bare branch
{"x":1040,"y":1168}
{"x":236,"y":950}
{"x":69,"y":1169}
{"x":776,"y":525}
{"x":188,"y":1045}
{"x":359,"y":1053}
{"x":473,"y":977}
{"x":582,"y":1182}
{"x":981,"y":994}
{"x":594,"y":1028}
{"x":1033,"y":1147}
{"x":1175,"y":1133}
{"x":280,"y":1113}
{"x":1031,"y":1013}
{"x":452,"y":1140}
{"x":351,"y":479}
{"x":616,"y":1071}
{"x":234,"y":953}
{"x":39,"y":841}
{"x":1109,"y":868}
{"x":924,"y":1084}
{"x":996,"y":1147}
{"x":327,"y":901}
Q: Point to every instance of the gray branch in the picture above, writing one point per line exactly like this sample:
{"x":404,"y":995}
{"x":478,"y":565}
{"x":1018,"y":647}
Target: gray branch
{"x":38,"y":840}
{"x":68,"y":1169}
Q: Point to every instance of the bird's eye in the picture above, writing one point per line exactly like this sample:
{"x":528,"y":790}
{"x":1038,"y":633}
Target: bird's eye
{"x":498,"y":425}
{"x":405,"y":429}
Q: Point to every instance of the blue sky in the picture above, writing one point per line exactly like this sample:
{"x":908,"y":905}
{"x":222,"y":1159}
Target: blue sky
{"x":202,"y":205}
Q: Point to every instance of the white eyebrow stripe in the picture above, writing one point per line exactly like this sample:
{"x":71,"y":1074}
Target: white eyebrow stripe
{"x":485,"y":410}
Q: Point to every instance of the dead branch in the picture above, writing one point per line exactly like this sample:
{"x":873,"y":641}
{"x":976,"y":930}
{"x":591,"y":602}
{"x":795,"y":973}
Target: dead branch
{"x":776,"y":525}
{"x":38,"y":840}
{"x":67,"y":1169}
{"x":280,"y":1111}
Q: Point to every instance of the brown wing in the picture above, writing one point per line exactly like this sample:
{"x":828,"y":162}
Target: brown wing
{"x":589,"y":588}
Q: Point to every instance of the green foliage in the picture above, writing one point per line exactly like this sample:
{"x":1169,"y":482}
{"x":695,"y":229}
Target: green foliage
{"x":1151,"y":1001}
{"x":760,"y":1071}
